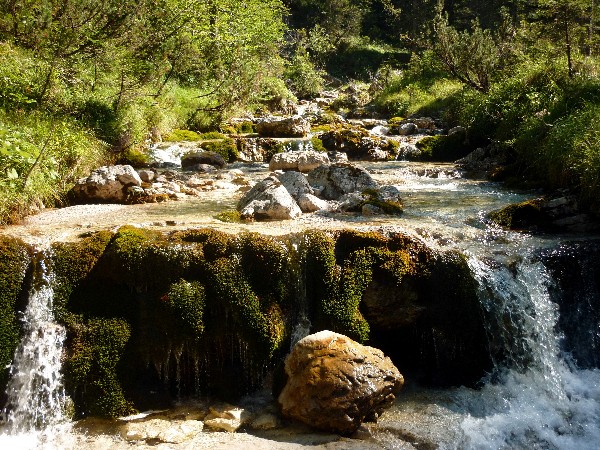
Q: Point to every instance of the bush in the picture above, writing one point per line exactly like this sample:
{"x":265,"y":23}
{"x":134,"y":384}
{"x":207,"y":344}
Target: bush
{"x":182,"y":135}
{"x":40,"y":157}
{"x":225,"y":147}
{"x":303,"y":78}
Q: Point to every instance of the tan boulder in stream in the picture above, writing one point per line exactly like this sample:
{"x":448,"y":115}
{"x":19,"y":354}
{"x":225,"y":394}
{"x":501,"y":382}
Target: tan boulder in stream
{"x":335,"y":383}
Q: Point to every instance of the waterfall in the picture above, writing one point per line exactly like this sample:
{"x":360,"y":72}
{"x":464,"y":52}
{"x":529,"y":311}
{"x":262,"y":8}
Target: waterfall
{"x":35,"y":394}
{"x":534,"y":399}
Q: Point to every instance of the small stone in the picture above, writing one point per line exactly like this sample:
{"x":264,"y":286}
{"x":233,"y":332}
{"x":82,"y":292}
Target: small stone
{"x":267,"y":421}
{"x":146,"y":175}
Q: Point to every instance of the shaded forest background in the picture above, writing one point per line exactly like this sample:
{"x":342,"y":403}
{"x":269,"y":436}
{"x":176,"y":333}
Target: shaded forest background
{"x":85,"y":83}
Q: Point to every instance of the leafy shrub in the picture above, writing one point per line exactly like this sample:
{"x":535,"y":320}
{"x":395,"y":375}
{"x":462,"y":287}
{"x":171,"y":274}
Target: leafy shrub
{"x":225,"y":147}
{"x":303,"y":78}
{"x":182,"y":135}
{"x":212,"y":135}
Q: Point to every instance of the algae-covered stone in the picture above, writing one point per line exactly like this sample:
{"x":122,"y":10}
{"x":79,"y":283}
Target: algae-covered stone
{"x":15,"y":257}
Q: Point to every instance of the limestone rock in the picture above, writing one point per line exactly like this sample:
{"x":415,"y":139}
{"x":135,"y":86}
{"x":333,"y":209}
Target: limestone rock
{"x":295,"y":183}
{"x":335,"y":156}
{"x":202,"y":157}
{"x":266,"y":421}
{"x":341,"y":178}
{"x":146,"y":175}
{"x":162,"y":430}
{"x":268,"y":200}
{"x":201,"y":168}
{"x":335,"y":383}
{"x":309,"y":203}
{"x":406,"y":129}
{"x":108,"y":184}
{"x":226,"y":418}
{"x":295,"y":126}
{"x":301,"y":161}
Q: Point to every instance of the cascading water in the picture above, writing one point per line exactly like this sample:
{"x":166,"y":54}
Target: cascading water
{"x":534,"y":399}
{"x":35,"y":395}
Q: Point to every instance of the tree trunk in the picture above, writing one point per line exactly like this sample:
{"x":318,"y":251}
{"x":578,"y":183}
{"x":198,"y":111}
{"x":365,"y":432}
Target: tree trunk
{"x":568,"y":43}
{"x":591,"y":29}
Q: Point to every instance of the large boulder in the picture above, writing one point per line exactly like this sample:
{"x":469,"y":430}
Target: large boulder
{"x":108,"y":184}
{"x":295,"y":183}
{"x":197,"y":158}
{"x":295,"y":126}
{"x":335,"y":383}
{"x":338,"y":179}
{"x":268,"y":200}
{"x":301,"y":161}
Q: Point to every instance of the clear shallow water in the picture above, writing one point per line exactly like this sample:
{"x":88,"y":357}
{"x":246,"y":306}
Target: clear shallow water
{"x":534,"y":399}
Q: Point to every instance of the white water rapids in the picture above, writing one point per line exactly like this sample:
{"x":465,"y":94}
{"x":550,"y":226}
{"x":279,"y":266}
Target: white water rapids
{"x":536,"y":398}
{"x":35,"y":396}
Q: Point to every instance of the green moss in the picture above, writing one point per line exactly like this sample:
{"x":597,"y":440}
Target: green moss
{"x":215,"y":244}
{"x":144,"y":259}
{"x":349,"y":241}
{"x":95,"y":350}
{"x":232,"y":216}
{"x":182,"y":135}
{"x":395,"y":121}
{"x":387,"y":206}
{"x":443,"y":148}
{"x":15,"y":257}
{"x":134,"y":157}
{"x":317,"y":145}
{"x":227,"y":148}
{"x":334,"y":292}
{"x":522,"y":215}
{"x":212,"y":135}
{"x":232,"y":291}
{"x":262,"y":255}
{"x":245,"y":127}
{"x":71,"y":264}
{"x":187,"y":300}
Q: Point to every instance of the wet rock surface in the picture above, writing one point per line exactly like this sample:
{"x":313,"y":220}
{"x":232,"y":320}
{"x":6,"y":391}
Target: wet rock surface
{"x":108,"y":184}
{"x":301,"y":161}
{"x":335,"y":383}
{"x":338,"y":179}
{"x":268,"y":200}
{"x":295,"y":126}
{"x":203,"y":158}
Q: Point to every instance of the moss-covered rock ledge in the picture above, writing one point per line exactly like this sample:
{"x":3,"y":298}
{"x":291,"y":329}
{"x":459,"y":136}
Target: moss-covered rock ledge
{"x":152,"y":317}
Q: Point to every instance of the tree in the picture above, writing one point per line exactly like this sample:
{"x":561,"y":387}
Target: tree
{"x":473,"y":56}
{"x":567,"y":20}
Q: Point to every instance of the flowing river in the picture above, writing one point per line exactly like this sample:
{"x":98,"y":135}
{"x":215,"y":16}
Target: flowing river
{"x":543,"y":393}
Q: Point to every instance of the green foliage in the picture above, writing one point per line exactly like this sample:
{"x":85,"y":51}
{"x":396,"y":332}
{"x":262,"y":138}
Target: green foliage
{"x":183,"y":135}
{"x":303,"y":78}
{"x":406,"y":94}
{"x":471,"y":57}
{"x":227,"y":148}
{"x":40,"y":157}
{"x":14,"y":259}
{"x":443,"y":148}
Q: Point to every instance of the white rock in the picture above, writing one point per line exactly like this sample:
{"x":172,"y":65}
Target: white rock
{"x":309,"y":203}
